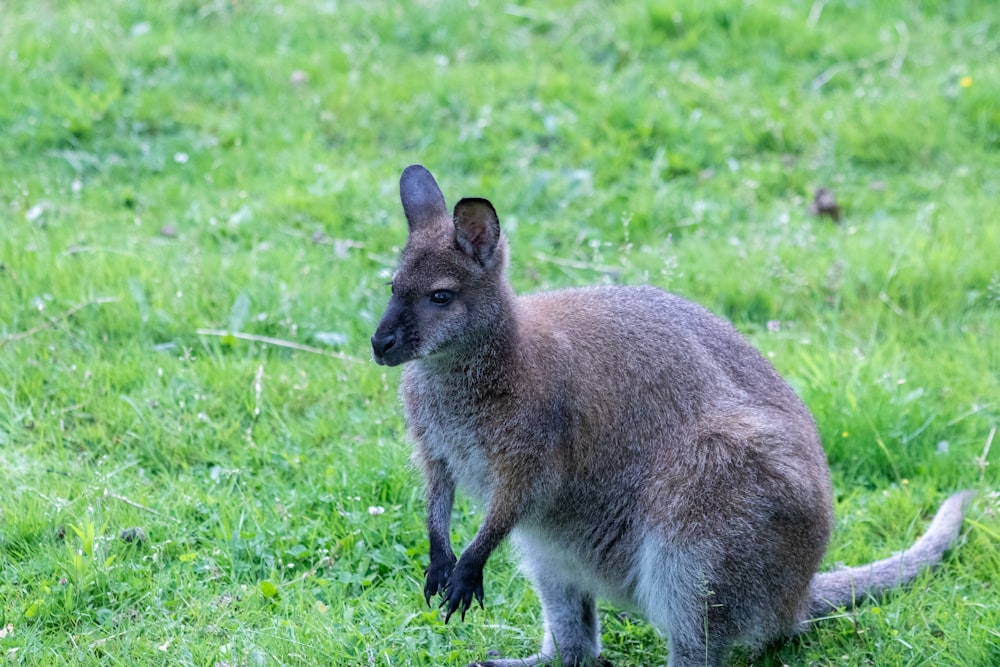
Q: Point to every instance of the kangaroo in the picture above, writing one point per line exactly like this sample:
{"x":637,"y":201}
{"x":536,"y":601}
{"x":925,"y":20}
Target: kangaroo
{"x":634,"y":446}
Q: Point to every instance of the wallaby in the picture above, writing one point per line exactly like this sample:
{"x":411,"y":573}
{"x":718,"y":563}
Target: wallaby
{"x":634,"y":446}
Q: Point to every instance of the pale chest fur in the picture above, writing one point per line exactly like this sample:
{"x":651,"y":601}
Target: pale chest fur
{"x":442,"y":428}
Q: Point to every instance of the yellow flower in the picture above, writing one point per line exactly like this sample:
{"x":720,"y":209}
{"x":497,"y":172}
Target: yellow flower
{"x":965,"y":81}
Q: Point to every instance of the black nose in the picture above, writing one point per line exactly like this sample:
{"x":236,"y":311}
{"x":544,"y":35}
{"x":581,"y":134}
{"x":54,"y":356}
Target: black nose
{"x":382,"y":343}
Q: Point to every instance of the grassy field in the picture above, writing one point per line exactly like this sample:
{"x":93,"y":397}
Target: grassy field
{"x":179,"y":179}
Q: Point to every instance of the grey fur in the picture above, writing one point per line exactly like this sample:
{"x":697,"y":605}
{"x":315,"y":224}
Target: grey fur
{"x":634,"y":446}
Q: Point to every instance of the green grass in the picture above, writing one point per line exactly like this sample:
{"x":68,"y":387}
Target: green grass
{"x":183,"y":165}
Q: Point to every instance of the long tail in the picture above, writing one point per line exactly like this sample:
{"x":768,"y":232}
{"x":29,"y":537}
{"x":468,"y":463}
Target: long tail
{"x":830,"y":591}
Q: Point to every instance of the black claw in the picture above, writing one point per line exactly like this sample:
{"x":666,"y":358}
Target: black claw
{"x":437,"y":577}
{"x":459,"y":591}
{"x":449,"y":610}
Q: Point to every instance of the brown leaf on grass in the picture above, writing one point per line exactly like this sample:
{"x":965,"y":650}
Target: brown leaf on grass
{"x":134,"y":535}
{"x":824,"y":203}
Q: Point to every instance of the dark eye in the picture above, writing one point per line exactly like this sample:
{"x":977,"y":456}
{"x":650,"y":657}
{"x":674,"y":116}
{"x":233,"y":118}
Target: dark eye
{"x":441,"y":297}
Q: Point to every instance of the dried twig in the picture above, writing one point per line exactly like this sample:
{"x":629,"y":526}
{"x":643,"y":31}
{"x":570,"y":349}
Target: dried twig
{"x":127,"y":501}
{"x":896,"y":60}
{"x":258,"y":389}
{"x":901,"y":49}
{"x":975,"y":409}
{"x":824,"y":77}
{"x":815,"y":12}
{"x":97,"y":643}
{"x":981,"y":460}
{"x":887,"y":300}
{"x":277,"y":342}
{"x":57,"y":319}
{"x":580,"y":266}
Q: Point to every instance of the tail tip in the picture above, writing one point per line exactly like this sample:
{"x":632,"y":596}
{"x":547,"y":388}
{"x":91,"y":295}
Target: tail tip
{"x":962,"y":499}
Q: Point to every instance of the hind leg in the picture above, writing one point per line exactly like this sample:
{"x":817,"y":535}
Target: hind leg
{"x":677,"y":597}
{"x":572,"y":629}
{"x":694,"y":654}
{"x":698,"y":636}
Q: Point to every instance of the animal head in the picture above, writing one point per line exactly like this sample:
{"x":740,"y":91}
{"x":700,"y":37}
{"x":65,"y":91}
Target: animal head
{"x":449,"y":287}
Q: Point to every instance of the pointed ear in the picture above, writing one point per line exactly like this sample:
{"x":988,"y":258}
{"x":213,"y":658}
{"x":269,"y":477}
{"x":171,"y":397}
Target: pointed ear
{"x":477,"y":230}
{"x":422,"y":200}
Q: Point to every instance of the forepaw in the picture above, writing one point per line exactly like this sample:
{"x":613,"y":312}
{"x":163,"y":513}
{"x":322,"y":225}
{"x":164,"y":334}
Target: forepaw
{"x":437,"y":575}
{"x":466,"y":583}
